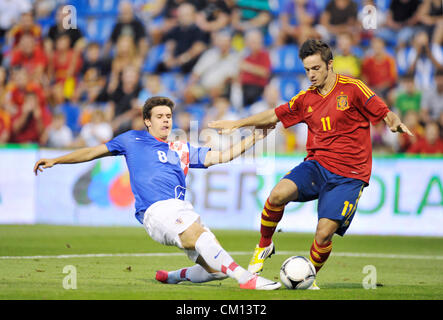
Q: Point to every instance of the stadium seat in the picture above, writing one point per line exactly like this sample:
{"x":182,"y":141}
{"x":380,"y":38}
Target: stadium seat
{"x":170,"y":81}
{"x":277,"y":6}
{"x":97,"y":30}
{"x":402,"y":60}
{"x":103,"y":7}
{"x":285,"y":59}
{"x":321,"y":4}
{"x":289,"y":86}
{"x":154,"y":57}
{"x":197,"y":110}
{"x":383,"y":5}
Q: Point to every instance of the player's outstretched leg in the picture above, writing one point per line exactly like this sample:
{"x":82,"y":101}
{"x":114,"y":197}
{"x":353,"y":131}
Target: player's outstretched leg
{"x":204,"y":242}
{"x":195,"y":274}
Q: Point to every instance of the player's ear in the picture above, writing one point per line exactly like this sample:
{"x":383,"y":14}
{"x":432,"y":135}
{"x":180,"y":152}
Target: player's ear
{"x":147,"y":123}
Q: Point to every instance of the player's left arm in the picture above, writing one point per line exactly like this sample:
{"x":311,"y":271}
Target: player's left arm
{"x":216,"y":157}
{"x":394,"y":123}
{"x":78,"y":156}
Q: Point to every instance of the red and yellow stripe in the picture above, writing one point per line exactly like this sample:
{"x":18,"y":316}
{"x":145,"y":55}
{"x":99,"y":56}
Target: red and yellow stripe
{"x":363,"y":88}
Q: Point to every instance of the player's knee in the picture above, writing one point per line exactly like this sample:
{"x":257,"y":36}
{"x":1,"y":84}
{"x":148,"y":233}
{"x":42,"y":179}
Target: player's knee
{"x":277,"y":198}
{"x":190,"y":236}
{"x":283,"y":192}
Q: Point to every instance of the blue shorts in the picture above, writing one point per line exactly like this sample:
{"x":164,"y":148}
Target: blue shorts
{"x":337,"y":195}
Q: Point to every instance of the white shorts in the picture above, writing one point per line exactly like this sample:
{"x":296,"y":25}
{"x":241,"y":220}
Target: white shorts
{"x":165,"y":220}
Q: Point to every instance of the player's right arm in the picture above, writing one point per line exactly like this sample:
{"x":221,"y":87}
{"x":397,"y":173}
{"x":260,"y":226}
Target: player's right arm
{"x":265,"y":119}
{"x":80,"y":155}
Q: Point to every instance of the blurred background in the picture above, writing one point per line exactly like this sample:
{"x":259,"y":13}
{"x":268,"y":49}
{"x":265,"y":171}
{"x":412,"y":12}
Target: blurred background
{"x":76,"y":73}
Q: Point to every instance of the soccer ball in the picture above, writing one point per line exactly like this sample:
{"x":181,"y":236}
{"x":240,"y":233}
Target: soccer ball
{"x":297,"y":273}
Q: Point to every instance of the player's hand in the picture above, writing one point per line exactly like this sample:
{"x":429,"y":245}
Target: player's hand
{"x":223,"y":126}
{"x":401,"y":128}
{"x":43,"y":164}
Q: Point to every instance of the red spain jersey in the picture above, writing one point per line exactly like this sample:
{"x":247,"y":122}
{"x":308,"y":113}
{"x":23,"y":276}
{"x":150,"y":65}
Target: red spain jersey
{"x":338,"y":125}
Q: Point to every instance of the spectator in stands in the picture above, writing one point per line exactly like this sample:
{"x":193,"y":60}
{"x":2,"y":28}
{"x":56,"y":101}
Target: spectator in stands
{"x":126,"y":54}
{"x":128,"y":25}
{"x":31,"y":115}
{"x":339,"y":16}
{"x":421,"y":60}
{"x":3,"y":83}
{"x":345,"y":62}
{"x":250,"y":15}
{"x":123,"y":100}
{"x":26,"y":25}
{"x":184,"y":43}
{"x":383,"y":140}
{"x":30,"y":55}
{"x":95,"y":132}
{"x":255,"y":68}
{"x":221,"y":109}
{"x":58,"y":103}
{"x":93,"y":60}
{"x":379,"y":70}
{"x":409,"y":97}
{"x":401,"y":22}
{"x":270,"y":99}
{"x":153,"y":87}
{"x":412,"y":120}
{"x":5,"y":124}
{"x":214,"y":70}
{"x":77,"y":41}
{"x":65,"y":64}
{"x":182,"y":121}
{"x":431,"y":143}
{"x":59,"y":134}
{"x":430,"y":15}
{"x":279,"y":139}
{"x":440,"y":124}
{"x":91,"y":88}
{"x":432,"y":100}
{"x":167,"y":10}
{"x":10,"y":13}
{"x":298,"y":18}
{"x":213,"y":16}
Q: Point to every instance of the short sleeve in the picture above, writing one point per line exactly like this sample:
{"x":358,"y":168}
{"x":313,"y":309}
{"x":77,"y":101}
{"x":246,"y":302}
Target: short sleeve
{"x":368,"y":103}
{"x":197,"y":156}
{"x":291,"y":113}
{"x":117,"y":146}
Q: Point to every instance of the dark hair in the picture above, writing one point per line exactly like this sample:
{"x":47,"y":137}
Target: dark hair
{"x":311,"y":47}
{"x":155,"y":102}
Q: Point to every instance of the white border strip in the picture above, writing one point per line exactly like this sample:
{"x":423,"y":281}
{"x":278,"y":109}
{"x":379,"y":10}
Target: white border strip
{"x":237,"y":253}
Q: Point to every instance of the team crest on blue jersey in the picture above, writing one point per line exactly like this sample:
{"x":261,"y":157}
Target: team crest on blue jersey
{"x":342,"y":102}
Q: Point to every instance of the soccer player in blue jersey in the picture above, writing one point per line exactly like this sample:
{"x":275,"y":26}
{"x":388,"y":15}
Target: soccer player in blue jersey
{"x":157,"y":170}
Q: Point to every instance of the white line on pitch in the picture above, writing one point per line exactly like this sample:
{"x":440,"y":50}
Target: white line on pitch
{"x":235,"y":253}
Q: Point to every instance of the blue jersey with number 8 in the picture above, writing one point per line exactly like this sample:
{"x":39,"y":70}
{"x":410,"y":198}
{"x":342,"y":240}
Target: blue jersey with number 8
{"x":157,"y":169}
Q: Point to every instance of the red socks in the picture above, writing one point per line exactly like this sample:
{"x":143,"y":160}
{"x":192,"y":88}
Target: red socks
{"x":319,"y":254}
{"x":270,"y":217}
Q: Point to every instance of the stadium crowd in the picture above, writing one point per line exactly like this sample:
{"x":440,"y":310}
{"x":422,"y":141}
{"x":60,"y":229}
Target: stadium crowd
{"x":67,"y":87}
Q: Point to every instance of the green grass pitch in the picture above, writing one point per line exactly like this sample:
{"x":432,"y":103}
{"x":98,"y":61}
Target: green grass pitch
{"x":406,"y":267}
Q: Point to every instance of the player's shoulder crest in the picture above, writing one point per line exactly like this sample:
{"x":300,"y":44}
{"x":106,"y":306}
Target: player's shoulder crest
{"x":342,"y":102}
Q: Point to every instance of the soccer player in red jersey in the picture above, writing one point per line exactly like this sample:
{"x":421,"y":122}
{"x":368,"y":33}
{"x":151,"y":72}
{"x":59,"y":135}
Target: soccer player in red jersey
{"x":338,"y":111}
